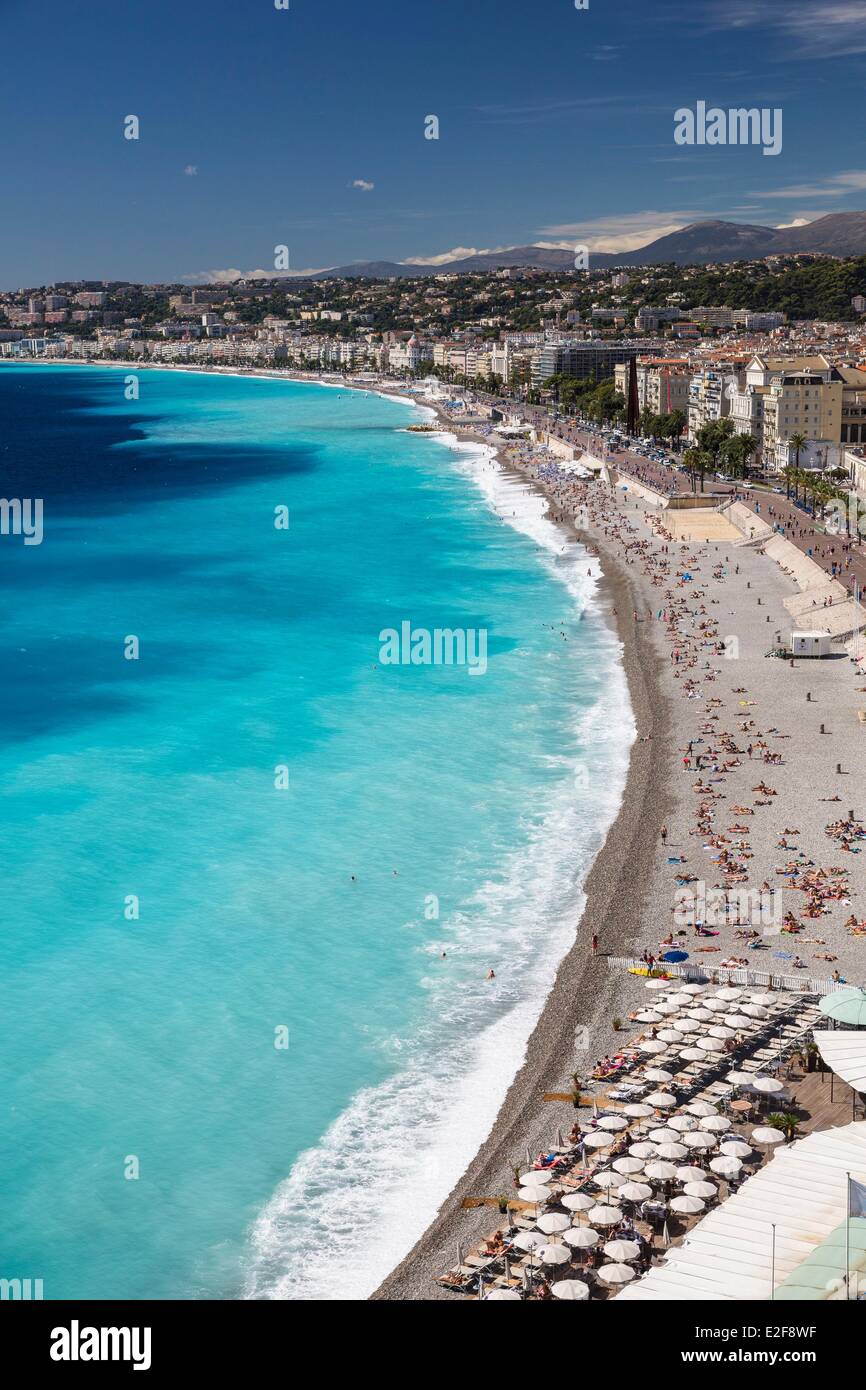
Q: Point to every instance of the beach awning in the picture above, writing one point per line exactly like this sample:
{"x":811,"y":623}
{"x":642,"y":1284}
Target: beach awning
{"x":730,"y":1254}
{"x":845,"y":1006}
{"x":845,"y":1054}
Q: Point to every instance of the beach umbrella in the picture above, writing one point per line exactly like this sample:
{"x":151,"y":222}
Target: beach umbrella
{"x":658,"y":1074}
{"x":667,"y":1008}
{"x":554,"y":1254}
{"x":529,"y":1241}
{"x":666,"y":1239}
{"x":728,"y":993}
{"x":662,"y":1100}
{"x":727,"y":1167}
{"x":628,"y":1165}
{"x":570,"y":1289}
{"x":682,"y":1122}
{"x":652,"y":1047}
{"x":693,"y":1054}
{"x":766,"y":1085}
{"x":718,"y":1006}
{"x":635,"y":1192}
{"x":671,"y":1151}
{"x":608,"y":1179}
{"x":597,"y":1139}
{"x":502,"y":1296}
{"x":738,"y":1020}
{"x":700,"y":1015}
{"x":612,"y":1122}
{"x":701,"y":1189}
{"x":767,"y":1135}
{"x":702,"y":1108}
{"x":735,"y":1148}
{"x":768,"y":1000}
{"x":680,"y":998}
{"x":674,"y":957}
{"x":711,"y":1045}
{"x":578,"y":1201}
{"x":670,"y":1035}
{"x":688,"y":1173}
{"x":699,"y":1139}
{"x":754,"y":1010}
{"x":605,"y":1215}
{"x":718,"y":1031}
{"x":692,"y":989}
{"x":616,"y":1274}
{"x":739,"y":1078}
{"x":716,"y":1124}
{"x":687,"y":1205}
{"x":637,"y":1110}
{"x":552,"y":1223}
{"x":664,"y":1136}
{"x":642,"y":1150}
{"x":536,"y":1177}
{"x":648,"y":1016}
{"x":657,"y":984}
{"x":536,"y":1194}
{"x":661,"y":1171}
{"x":689,"y":1025}
{"x":622,"y":1250}
{"x":581,"y":1237}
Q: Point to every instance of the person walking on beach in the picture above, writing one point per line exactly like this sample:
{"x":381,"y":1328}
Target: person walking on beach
{"x":595,"y":943}
{"x":664,"y":834}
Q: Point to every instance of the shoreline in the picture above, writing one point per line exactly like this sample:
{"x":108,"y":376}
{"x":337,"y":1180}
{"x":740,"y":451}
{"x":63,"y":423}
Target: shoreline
{"x":583,"y":990}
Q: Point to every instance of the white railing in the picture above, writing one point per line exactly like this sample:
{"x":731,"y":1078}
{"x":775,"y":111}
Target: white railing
{"x":739,"y":975}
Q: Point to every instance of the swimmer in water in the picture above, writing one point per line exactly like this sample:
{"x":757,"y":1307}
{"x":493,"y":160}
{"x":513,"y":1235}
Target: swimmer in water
{"x":491,"y":975}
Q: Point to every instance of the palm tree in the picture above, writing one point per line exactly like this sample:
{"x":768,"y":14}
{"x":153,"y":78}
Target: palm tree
{"x":796,"y":442}
{"x":676,"y":423}
{"x":786,"y":1121}
{"x":697,"y":461}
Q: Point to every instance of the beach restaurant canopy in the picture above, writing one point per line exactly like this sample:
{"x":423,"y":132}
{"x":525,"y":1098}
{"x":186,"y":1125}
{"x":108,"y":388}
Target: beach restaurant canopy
{"x":845,"y":1054}
{"x":846,"y":1006}
{"x":731,"y":1253}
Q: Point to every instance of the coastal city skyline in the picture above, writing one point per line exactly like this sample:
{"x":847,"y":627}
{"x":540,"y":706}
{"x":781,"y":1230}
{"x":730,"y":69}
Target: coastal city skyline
{"x":314,"y":134}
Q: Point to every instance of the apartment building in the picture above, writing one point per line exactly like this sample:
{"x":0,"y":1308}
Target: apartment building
{"x":710,"y":394}
{"x":582,"y":360}
{"x":799,"y":403}
{"x":853,"y":404}
{"x":662,"y":383}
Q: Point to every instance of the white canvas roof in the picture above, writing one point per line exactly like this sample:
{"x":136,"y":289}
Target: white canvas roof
{"x":844,"y":1051}
{"x":803,"y":1190}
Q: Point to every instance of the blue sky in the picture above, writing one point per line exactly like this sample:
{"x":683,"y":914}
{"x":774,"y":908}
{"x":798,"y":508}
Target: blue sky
{"x":262,"y":127}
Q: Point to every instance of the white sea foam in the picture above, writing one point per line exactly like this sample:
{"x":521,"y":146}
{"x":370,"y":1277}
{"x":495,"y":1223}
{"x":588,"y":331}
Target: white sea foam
{"x":353,"y":1205}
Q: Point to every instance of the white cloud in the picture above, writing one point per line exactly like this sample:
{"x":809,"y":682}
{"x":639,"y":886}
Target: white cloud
{"x":191,"y":170}
{"x":797,"y":222}
{"x":364,"y":184}
{"x":619,"y":232}
{"x":819,"y":29}
{"x":457,"y":253}
{"x":833,"y":186}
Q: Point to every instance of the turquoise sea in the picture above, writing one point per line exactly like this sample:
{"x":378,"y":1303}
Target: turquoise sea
{"x":158,"y":1140}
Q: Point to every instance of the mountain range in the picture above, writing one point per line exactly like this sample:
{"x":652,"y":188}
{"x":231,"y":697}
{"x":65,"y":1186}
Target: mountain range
{"x":700,"y":243}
